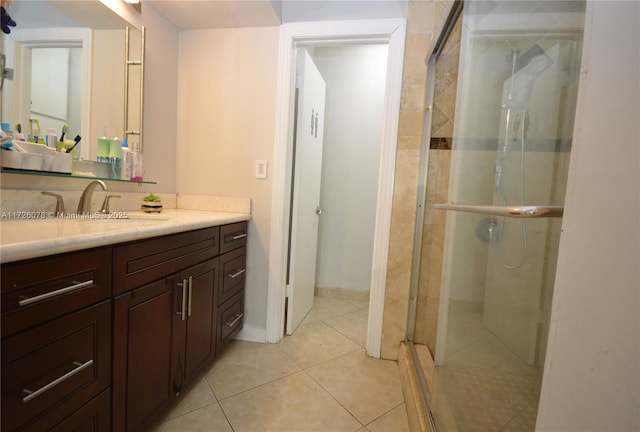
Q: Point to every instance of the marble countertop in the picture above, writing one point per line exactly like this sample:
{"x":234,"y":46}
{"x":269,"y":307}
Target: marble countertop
{"x":22,"y":238}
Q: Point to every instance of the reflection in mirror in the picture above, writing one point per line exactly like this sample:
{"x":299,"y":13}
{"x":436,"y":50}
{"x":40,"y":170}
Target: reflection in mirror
{"x":55,"y":97}
{"x":68,"y":59}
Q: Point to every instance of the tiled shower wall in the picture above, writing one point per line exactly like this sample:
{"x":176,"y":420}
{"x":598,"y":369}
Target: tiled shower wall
{"x":444,"y":103}
{"x":423,"y":18}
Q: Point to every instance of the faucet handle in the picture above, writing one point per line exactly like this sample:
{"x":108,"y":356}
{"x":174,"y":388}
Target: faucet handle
{"x":59,"y":202}
{"x":105,"y":204}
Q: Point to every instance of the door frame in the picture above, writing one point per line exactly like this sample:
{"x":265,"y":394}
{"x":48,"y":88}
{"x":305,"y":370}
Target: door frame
{"x":335,"y":33}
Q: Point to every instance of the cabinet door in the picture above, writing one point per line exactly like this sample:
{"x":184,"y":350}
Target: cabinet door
{"x":143,"y":377}
{"x":200,"y":283}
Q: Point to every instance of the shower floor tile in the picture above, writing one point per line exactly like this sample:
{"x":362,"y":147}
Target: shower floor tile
{"x":483,"y":385}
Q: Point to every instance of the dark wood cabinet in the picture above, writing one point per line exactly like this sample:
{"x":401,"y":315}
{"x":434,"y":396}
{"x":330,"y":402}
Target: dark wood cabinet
{"x":137,"y":263}
{"x":199,"y":325}
{"x":143,"y":380}
{"x":165,"y":330}
{"x":233,"y":267}
{"x":107,"y":339}
{"x":233,"y":236}
{"x":38,"y":290}
{"x":56,"y":339}
{"x":94,"y":416}
{"x":230,"y":320}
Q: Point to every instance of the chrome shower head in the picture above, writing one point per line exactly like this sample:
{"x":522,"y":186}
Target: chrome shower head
{"x":534,"y":61}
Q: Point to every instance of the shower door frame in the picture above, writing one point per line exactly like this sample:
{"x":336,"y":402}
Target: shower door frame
{"x":453,"y":13}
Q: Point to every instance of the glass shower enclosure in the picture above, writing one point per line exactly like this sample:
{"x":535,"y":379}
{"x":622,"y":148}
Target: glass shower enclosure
{"x":501,"y":100}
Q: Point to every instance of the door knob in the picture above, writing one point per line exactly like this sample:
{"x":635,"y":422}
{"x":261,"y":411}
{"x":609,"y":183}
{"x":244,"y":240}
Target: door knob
{"x":318,"y":211}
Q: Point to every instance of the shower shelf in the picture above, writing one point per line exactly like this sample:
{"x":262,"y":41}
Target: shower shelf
{"x":508,"y":211}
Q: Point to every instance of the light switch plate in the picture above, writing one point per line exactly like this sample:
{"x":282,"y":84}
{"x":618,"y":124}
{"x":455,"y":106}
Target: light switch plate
{"x":261,"y":169}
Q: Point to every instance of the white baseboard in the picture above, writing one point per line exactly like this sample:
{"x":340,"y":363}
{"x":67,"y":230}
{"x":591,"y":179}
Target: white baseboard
{"x":250,"y":333}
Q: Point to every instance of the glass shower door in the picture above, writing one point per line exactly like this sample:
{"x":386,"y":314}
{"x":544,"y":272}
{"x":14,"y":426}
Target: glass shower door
{"x":507,"y":167}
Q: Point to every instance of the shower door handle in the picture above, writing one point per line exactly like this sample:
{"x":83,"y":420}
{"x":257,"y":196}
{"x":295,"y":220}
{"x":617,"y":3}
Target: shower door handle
{"x":524,"y":211}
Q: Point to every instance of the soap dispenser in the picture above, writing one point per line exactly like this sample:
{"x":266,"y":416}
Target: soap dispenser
{"x":103,"y":147}
{"x":115,"y":157}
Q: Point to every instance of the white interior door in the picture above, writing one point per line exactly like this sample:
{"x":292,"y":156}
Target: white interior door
{"x":305,"y":210}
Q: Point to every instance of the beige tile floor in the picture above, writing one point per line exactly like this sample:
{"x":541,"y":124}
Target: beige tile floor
{"x":318,"y":379}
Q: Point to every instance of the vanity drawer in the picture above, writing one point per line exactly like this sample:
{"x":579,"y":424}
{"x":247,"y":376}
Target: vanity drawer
{"x":62,"y":364}
{"x":232,"y":274}
{"x":39,"y":290}
{"x":139,"y":263}
{"x":94,"y":416}
{"x":233,"y":236}
{"x":230,"y":320}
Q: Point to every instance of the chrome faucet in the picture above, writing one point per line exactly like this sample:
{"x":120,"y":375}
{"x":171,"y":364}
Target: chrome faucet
{"x":84,"y":205}
{"x":59,"y":202}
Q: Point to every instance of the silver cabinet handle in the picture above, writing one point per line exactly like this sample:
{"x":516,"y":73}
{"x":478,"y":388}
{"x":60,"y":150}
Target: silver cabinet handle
{"x":74,"y":287}
{"x":183,"y":306}
{"x":190,"y":292}
{"x":237,"y":317}
{"x":29,"y":394}
{"x":236,"y":274}
{"x":318,"y":211}
{"x":237,"y":236}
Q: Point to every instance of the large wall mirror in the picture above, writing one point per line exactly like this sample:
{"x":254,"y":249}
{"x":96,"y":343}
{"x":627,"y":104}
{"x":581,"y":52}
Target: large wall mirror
{"x":69,"y":62}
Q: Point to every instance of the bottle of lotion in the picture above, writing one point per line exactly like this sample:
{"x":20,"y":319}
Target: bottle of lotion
{"x":127,"y":161}
{"x":136,"y":160}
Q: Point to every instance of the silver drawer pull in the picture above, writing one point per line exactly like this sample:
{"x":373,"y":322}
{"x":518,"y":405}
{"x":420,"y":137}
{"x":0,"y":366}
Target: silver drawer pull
{"x":236,"y":274}
{"x":190,"y":295}
{"x":235,"y":320}
{"x":237,"y":236}
{"x":183,"y":306}
{"x":31,"y":394}
{"x":74,"y":287}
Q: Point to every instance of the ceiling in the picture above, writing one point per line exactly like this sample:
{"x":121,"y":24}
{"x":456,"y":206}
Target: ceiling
{"x":201,"y":14}
{"x":33,"y":14}
{"x":204,"y":14}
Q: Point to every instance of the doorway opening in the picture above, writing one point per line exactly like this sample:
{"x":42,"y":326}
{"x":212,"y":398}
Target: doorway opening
{"x":340,"y":95}
{"x":320,"y":35}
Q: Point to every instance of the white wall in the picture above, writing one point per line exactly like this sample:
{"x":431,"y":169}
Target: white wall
{"x":355,"y":78}
{"x":591,"y":379}
{"x":226,"y":121}
{"x":160,"y":100}
{"x":107,"y":84}
{"x":332,"y":10}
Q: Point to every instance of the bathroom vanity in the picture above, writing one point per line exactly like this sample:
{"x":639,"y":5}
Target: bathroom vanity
{"x":107,"y":336}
